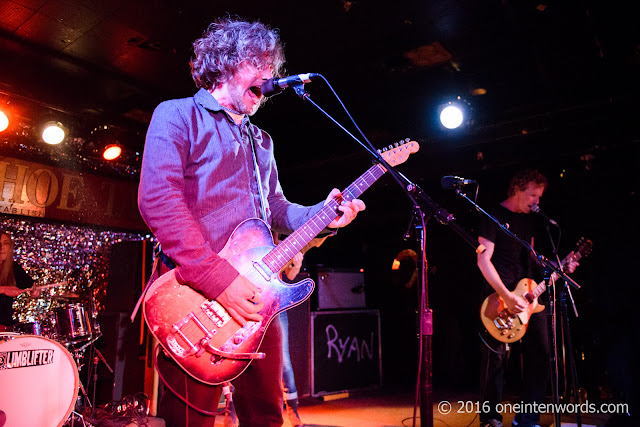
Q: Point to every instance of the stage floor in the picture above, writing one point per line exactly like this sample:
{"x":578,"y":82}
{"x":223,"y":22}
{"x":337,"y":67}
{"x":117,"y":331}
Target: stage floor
{"x":391,"y":409}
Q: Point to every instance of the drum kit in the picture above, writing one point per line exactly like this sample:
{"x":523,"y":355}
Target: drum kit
{"x":40,"y":361}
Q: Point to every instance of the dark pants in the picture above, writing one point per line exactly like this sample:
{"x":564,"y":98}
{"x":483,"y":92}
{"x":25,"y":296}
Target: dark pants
{"x":288,"y":378}
{"x":536,"y":370}
{"x":257,"y":397}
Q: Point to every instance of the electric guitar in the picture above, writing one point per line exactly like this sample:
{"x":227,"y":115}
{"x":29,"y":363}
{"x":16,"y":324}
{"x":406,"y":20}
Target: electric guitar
{"x":508,"y":327}
{"x":199,"y":334}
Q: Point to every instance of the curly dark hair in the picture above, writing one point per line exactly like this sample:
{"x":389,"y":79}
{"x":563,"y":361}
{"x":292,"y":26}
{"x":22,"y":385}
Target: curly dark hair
{"x":522,"y":178}
{"x":227,"y":43}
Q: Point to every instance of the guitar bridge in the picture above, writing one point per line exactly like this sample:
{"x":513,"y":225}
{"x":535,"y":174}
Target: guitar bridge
{"x":503,"y":321}
{"x":176,"y":329}
{"x":215,"y":312}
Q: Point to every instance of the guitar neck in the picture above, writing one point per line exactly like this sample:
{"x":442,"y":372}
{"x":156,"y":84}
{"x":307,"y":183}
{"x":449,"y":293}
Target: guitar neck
{"x":555,"y":276}
{"x":278,"y":257}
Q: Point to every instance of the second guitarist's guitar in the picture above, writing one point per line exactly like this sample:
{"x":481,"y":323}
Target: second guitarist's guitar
{"x":199,"y":334}
{"x":508,"y":327}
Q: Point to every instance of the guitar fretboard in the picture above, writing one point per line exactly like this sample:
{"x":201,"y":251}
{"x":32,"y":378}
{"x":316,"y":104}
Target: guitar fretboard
{"x":279,"y":256}
{"x":542,"y":287}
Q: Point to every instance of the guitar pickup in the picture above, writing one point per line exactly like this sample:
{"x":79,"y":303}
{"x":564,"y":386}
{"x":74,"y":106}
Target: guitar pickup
{"x":260,"y":269}
{"x":215,"y":312}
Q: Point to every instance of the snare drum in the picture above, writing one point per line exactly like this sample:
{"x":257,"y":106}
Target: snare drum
{"x":73,"y":322}
{"x":39,"y":381}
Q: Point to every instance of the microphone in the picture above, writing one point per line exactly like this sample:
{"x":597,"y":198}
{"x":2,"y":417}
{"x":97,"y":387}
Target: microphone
{"x":274,"y":86}
{"x":536,"y":209}
{"x":450,"y":182}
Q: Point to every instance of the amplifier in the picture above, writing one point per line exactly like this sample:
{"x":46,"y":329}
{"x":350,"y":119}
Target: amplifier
{"x":340,"y":289}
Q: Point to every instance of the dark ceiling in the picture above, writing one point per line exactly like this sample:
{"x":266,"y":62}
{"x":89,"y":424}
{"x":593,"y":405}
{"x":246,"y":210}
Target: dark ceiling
{"x":557,"y":74}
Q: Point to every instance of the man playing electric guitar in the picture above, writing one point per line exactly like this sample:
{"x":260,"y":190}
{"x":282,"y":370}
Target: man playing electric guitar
{"x":206,"y":168}
{"x":504,"y":262}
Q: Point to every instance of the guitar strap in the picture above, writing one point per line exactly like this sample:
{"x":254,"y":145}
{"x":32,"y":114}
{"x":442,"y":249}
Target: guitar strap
{"x":256,"y":167}
{"x":158,"y":258}
{"x":161,"y":258}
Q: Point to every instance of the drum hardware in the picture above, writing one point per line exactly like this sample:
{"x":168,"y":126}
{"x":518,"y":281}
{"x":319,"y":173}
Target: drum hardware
{"x":96,"y":361}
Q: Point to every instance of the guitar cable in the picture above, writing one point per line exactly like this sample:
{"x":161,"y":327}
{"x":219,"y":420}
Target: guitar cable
{"x":183,"y":398}
{"x":489,"y":347}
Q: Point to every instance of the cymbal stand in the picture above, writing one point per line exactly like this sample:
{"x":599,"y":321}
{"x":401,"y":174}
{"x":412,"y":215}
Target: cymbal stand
{"x":96,"y":356}
{"x":78,"y":355}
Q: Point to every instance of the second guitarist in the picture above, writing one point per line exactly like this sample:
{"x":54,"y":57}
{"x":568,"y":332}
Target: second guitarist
{"x":503,"y":264}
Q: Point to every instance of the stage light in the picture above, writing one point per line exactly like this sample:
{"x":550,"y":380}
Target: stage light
{"x":454,"y":114}
{"x":112,"y":152}
{"x":4,"y":121}
{"x":53,"y":133}
{"x":451,"y":116}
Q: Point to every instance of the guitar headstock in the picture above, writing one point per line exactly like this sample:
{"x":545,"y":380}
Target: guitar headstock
{"x":399,"y":152}
{"x":583,"y":247}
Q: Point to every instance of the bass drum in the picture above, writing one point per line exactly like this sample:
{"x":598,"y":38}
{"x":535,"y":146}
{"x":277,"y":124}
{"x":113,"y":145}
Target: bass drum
{"x":39,"y":381}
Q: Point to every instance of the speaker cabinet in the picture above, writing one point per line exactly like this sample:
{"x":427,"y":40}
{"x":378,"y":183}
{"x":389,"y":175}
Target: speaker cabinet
{"x":120,"y":343}
{"x":346,"y":351}
{"x":129,"y":262}
{"x":120,"y":347}
{"x":299,"y":346}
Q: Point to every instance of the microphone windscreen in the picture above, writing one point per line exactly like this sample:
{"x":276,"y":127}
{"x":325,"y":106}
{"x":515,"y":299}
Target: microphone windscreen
{"x":269,"y":88}
{"x":448,"y":182}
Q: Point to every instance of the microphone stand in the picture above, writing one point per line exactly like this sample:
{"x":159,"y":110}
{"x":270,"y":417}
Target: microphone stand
{"x":547,"y":268}
{"x":424,"y":208}
{"x":567,"y":344}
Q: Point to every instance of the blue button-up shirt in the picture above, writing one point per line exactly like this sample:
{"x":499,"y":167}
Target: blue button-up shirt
{"x":198,"y":182}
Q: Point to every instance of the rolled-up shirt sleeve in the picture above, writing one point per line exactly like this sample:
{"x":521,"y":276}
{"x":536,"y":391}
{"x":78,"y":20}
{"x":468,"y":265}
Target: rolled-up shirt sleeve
{"x":163,"y":205}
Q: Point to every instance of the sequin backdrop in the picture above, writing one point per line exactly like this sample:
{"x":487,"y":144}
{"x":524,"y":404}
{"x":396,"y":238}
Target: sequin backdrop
{"x":51,"y":253}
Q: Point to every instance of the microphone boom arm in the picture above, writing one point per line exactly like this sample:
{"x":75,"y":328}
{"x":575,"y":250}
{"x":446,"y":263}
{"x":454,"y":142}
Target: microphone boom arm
{"x":421,"y":199}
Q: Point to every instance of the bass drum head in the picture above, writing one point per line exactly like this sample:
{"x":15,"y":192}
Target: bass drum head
{"x":39,"y":381}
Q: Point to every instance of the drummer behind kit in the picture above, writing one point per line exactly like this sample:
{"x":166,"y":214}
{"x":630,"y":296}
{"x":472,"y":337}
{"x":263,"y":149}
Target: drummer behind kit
{"x":70,"y":320}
